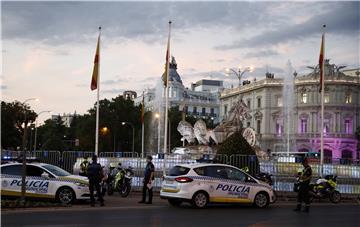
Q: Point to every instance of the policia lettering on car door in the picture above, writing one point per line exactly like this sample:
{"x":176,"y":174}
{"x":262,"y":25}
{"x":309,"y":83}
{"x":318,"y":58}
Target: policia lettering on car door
{"x":35,"y":184}
{"x":226,"y":184}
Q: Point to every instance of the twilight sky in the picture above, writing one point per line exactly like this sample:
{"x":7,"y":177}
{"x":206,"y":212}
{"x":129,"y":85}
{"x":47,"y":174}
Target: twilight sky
{"x":48,"y":47}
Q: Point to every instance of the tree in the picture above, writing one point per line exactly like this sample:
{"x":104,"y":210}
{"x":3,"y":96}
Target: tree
{"x":112,"y":113}
{"x":235,"y":144}
{"x":13,"y":117}
{"x":52,"y":135}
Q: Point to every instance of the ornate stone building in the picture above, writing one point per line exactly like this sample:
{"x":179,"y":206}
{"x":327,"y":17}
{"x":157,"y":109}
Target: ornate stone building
{"x":341,"y":117}
{"x":200,"y":100}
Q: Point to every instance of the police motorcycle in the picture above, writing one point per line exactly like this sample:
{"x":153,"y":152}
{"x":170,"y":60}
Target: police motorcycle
{"x":265,"y":177}
{"x":325,"y":188}
{"x":119,"y":180}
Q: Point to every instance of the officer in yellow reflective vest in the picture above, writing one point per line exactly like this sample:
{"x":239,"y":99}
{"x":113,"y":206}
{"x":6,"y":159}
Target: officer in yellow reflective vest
{"x":83,"y":167}
{"x":304,"y":182}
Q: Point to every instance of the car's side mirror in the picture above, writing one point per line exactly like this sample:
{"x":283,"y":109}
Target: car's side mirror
{"x":45,"y":175}
{"x":249,"y":179}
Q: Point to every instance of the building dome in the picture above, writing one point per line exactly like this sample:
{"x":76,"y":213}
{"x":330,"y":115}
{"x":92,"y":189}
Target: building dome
{"x":173,"y":74}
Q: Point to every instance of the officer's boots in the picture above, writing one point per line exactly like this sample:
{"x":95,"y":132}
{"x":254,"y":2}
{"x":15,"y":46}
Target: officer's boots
{"x":298,"y":207}
{"x":307,"y":209}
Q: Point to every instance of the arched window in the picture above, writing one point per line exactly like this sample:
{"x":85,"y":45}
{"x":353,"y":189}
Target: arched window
{"x":327,"y":156}
{"x":279,"y":127}
{"x":347,"y":154}
{"x":304,"y":97}
{"x":346,"y":157}
{"x":348,"y":126}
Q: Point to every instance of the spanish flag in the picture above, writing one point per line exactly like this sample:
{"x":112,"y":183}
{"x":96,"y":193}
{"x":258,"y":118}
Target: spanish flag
{"x":95,"y":74}
{"x":321,"y":62}
{"x":166,"y":73}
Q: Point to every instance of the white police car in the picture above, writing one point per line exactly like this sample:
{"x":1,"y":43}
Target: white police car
{"x":43,"y":181}
{"x":201,"y":184}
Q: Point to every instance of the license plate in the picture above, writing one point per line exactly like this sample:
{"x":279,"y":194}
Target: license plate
{"x":169,"y":181}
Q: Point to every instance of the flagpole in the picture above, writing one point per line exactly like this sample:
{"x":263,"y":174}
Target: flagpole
{"x":97,"y":104}
{"x":322,"y":103}
{"x":142,"y":127}
{"x":166,"y":100}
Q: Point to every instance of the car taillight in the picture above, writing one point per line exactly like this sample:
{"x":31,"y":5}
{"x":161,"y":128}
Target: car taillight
{"x":183,"y":179}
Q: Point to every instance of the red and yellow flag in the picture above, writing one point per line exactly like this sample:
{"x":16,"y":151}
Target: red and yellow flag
{"x":95,"y":73}
{"x":166,"y":73}
{"x":164,"y":78}
{"x":321,"y":63}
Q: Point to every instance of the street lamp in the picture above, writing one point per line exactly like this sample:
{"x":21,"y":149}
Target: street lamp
{"x":23,"y":174}
{"x":104,"y":130}
{"x":45,"y":111}
{"x":133,"y":128}
{"x":240,"y":72}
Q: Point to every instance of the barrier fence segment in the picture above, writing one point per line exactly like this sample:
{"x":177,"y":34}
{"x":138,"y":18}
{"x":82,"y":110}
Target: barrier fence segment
{"x":68,"y":158}
{"x":7,"y":154}
{"x":50,"y":157}
{"x":118,"y":155}
{"x":222,"y":158}
{"x":283,"y":171}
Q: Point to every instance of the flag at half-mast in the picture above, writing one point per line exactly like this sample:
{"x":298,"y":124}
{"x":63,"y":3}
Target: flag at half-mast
{"x":321,"y":62}
{"x":165,"y":75}
{"x":95,"y":74}
{"x":143,"y":109}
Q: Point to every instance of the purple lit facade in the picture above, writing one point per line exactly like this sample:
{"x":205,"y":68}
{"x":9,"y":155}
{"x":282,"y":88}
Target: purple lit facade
{"x":341,"y":116}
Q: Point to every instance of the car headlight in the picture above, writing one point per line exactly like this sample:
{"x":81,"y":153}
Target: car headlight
{"x":80,"y":184}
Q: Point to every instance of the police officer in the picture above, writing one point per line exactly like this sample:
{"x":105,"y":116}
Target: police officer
{"x":83,"y":167}
{"x":148,"y":179}
{"x":95,"y":175}
{"x":304,"y":182}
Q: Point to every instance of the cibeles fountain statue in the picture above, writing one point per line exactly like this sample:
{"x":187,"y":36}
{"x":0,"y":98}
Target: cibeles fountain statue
{"x":231,"y":124}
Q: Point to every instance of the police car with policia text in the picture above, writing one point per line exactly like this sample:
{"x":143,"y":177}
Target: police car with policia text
{"x":43,"y":181}
{"x":202,"y":183}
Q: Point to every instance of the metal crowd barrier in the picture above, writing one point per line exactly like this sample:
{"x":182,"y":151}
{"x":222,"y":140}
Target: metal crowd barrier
{"x":69,"y":158}
{"x":283,"y":170}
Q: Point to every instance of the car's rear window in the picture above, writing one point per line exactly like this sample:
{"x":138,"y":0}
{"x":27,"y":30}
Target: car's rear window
{"x":178,"y":171}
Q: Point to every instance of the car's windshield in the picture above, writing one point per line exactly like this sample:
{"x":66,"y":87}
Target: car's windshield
{"x":56,"y":171}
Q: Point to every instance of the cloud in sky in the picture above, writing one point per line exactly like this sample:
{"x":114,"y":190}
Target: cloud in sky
{"x":262,"y":53}
{"x":58,"y":22}
{"x":342,"y":19}
{"x":51,"y":45}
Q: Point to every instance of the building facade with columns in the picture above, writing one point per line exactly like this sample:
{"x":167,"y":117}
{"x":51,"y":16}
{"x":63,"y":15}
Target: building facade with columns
{"x":341,"y":112}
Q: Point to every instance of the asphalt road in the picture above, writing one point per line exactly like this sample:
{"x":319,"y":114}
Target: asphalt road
{"x":126,"y":212}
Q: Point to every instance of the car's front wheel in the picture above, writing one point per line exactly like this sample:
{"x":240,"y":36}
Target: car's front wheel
{"x":200,"y":200}
{"x":261,"y":200}
{"x":65,"y":195}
